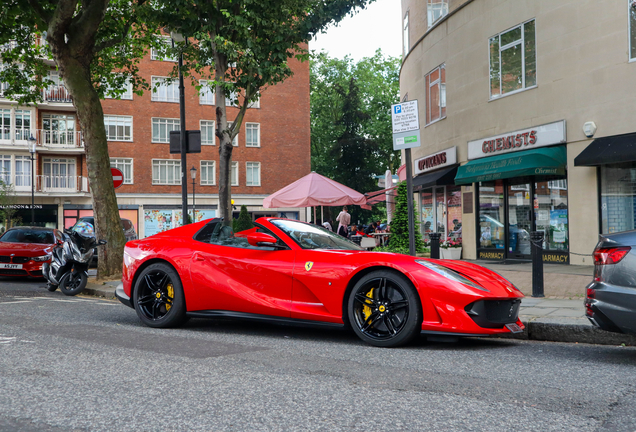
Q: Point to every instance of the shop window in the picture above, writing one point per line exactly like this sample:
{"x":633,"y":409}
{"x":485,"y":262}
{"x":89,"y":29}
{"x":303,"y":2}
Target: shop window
{"x":491,"y":215}
{"x":440,"y":209}
{"x":513,"y":61}
{"x":551,"y":213}
{"x":618,"y":198}
{"x":454,"y":212}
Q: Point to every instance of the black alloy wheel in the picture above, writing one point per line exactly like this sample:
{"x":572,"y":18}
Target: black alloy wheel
{"x":384,"y":309}
{"x":158,"y":297}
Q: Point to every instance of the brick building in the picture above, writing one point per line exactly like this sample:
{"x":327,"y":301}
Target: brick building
{"x":272,"y":150}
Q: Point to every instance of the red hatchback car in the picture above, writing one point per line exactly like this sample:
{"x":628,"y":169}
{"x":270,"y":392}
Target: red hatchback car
{"x":23,"y":250}
{"x":290,"y":271}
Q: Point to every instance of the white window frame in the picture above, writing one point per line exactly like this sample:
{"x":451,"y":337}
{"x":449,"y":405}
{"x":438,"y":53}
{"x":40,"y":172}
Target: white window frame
{"x":560,"y":184}
{"x":433,"y":6}
{"x":523,"y":59}
{"x":6,"y":174}
{"x":25,"y":173}
{"x":122,"y":164}
{"x":118,"y":121}
{"x":163,"y":122}
{"x":127,"y":95}
{"x":206,"y":94}
{"x":442,"y":94}
{"x":11,"y":133}
{"x":406,"y":40}
{"x":204,"y":125}
{"x":235,"y":140}
{"x":59,"y":181}
{"x":154,"y":54}
{"x":173,"y":164}
{"x":251,"y":166}
{"x":209,"y":164}
{"x":64,"y":137}
{"x":631,"y":11}
{"x":255,"y":128}
{"x":234,"y":174}
{"x":171,"y":90}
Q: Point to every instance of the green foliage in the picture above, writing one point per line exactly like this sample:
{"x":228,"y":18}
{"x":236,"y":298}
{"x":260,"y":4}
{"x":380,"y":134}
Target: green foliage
{"x":399,"y":238}
{"x":7,"y":210}
{"x":244,"y":221}
{"x":351,"y":135}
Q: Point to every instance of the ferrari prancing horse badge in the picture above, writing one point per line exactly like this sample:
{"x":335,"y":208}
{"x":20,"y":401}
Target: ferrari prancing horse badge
{"x":308,"y":265}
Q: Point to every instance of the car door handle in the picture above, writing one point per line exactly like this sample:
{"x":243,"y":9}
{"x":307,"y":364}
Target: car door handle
{"x":199,"y":258}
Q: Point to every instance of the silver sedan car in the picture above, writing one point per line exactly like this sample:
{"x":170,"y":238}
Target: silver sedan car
{"x":611,"y":298}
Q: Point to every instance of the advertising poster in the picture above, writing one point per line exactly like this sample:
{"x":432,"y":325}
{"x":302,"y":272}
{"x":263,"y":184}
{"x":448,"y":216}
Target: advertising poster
{"x":156,"y":221}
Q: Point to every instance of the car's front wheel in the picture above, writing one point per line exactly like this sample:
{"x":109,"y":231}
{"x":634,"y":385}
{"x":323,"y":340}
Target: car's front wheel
{"x":384,"y":309}
{"x":158,"y":297}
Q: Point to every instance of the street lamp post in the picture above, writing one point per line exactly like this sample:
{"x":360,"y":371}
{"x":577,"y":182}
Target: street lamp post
{"x":32,"y":142}
{"x":177,"y":37}
{"x":193,"y":175}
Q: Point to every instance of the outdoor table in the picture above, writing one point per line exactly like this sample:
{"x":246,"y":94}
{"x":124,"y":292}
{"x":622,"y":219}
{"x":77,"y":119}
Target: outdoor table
{"x":355,"y":238}
{"x":382,"y":236}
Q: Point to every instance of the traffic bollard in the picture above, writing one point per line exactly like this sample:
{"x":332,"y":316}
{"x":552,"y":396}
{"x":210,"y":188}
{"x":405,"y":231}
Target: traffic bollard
{"x":536,"y":240}
{"x":435,"y":244}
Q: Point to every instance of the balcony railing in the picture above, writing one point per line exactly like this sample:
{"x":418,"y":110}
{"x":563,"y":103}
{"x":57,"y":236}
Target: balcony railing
{"x":59,"y":139}
{"x":14,"y":136}
{"x":56,"y":94}
{"x":62,"y":183}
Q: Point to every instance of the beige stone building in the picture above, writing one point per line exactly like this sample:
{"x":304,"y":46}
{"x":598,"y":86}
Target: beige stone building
{"x":527,"y":115}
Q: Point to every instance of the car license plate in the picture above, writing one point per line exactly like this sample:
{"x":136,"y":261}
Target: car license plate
{"x":514,"y":328}
{"x":11,"y":266}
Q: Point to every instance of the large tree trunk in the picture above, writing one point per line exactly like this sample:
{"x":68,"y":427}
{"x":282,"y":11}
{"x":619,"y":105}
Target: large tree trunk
{"x":76,"y":76}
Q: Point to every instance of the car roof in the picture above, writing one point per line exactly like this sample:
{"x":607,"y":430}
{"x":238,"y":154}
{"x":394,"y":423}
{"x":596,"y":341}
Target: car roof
{"x":32,"y":228}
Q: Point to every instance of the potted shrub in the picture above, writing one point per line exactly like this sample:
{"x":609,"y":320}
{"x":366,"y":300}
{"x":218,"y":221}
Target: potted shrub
{"x":451,"y":248}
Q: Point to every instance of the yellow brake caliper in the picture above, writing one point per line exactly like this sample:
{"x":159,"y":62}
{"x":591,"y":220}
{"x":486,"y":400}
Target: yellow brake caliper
{"x":171,"y":295}
{"x":366,"y":310}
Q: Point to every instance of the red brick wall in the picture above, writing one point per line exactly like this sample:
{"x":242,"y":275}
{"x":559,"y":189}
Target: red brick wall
{"x":284,"y":126}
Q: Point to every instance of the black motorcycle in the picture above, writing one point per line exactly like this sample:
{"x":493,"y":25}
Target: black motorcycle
{"x":69,"y":263}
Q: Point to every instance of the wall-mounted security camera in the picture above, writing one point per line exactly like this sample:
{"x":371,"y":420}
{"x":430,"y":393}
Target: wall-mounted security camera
{"x":589,"y":128}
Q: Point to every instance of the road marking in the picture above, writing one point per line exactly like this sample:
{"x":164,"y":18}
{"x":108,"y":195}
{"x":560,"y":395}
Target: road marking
{"x":19,"y":301}
{"x":7,"y":340}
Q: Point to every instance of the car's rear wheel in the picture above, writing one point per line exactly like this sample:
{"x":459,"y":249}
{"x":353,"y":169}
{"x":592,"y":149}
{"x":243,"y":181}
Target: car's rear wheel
{"x":384,"y":309}
{"x":158,"y":297}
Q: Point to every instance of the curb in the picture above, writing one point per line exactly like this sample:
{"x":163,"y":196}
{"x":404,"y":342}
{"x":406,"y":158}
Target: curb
{"x":571,"y":333}
{"x":104,"y":291}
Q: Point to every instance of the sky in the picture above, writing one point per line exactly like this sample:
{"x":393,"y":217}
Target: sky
{"x":377,"y":26}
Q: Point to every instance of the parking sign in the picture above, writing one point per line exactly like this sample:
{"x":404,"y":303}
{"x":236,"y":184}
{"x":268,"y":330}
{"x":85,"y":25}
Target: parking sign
{"x":404,"y":117}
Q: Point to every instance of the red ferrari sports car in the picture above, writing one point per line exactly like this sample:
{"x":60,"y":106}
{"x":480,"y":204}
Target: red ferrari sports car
{"x":23,"y":250}
{"x":291,"y":271}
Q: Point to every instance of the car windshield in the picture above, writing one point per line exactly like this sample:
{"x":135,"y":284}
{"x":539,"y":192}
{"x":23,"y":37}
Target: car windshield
{"x":28,"y":236}
{"x":314,"y":237}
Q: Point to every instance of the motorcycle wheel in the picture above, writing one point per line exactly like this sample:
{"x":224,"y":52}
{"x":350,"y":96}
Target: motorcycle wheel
{"x":73,"y":283}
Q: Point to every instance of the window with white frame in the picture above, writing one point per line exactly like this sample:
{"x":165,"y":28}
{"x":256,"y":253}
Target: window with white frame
{"x":118,"y":128}
{"x":255,"y":104}
{"x":206,"y":94}
{"x":23,"y":171}
{"x":405,"y":35}
{"x":208,"y":173}
{"x":253,"y":174}
{"x":58,"y":129}
{"x":125,"y":165}
{"x":126,"y":95}
{"x":235,"y":140}
{"x":5,"y":124}
{"x":166,"y":172}
{"x":235,"y":174}
{"x":632,"y":30}
{"x":162,"y":53}
{"x":5,"y":168}
{"x":207,"y":132}
{"x":252,"y":135}
{"x":161,"y":128}
{"x":22,"y":125}
{"x":59,"y":173}
{"x":436,"y":9}
{"x":164,"y":90}
{"x":232,"y":99}
{"x":435,"y":84}
{"x":513,"y":60}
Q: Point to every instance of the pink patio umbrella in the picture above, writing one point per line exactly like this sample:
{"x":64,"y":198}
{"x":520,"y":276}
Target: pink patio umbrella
{"x":315,"y":190}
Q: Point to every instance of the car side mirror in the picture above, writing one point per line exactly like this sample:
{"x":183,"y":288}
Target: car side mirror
{"x":261,"y":239}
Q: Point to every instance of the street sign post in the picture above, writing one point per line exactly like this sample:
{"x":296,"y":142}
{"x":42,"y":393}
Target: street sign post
{"x":118,"y":177}
{"x":406,"y":135}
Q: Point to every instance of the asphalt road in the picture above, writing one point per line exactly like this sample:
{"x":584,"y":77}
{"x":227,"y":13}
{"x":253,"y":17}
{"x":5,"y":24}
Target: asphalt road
{"x":81,"y":363}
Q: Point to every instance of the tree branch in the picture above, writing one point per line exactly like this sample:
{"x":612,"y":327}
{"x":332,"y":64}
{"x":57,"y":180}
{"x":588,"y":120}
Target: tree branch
{"x":114,"y":41}
{"x":43,"y":16}
{"x":84,"y":26}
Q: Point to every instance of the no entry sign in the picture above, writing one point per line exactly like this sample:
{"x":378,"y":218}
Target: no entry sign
{"x":118,"y":177}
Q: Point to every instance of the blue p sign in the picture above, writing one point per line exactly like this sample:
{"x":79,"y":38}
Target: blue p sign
{"x":397,"y":109}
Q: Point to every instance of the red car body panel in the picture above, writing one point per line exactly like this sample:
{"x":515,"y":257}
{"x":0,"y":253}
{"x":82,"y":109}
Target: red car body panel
{"x":10,"y":251}
{"x":307,"y":284}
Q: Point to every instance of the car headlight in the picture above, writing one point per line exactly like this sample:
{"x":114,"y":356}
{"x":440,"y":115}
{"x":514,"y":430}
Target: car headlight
{"x":41,"y":258}
{"x":450,"y":274}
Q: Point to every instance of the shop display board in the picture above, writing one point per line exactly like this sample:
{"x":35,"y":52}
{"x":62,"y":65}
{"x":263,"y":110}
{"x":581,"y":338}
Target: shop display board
{"x":156,"y":221}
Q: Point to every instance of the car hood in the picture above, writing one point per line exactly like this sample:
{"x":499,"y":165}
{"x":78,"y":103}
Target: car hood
{"x":24,"y":249}
{"x":495,"y":283}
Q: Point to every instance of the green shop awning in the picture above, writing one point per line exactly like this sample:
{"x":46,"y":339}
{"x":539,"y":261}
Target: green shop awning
{"x":539,"y":161}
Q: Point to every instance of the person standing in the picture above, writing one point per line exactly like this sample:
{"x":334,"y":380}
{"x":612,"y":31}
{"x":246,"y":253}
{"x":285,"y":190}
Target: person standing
{"x":343,"y":219}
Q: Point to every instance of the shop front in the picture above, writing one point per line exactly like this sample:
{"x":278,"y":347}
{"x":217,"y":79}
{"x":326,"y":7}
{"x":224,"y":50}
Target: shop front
{"x":521,"y":186}
{"x":440,"y":205}
{"x":44,"y":215}
{"x":615,"y":159}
